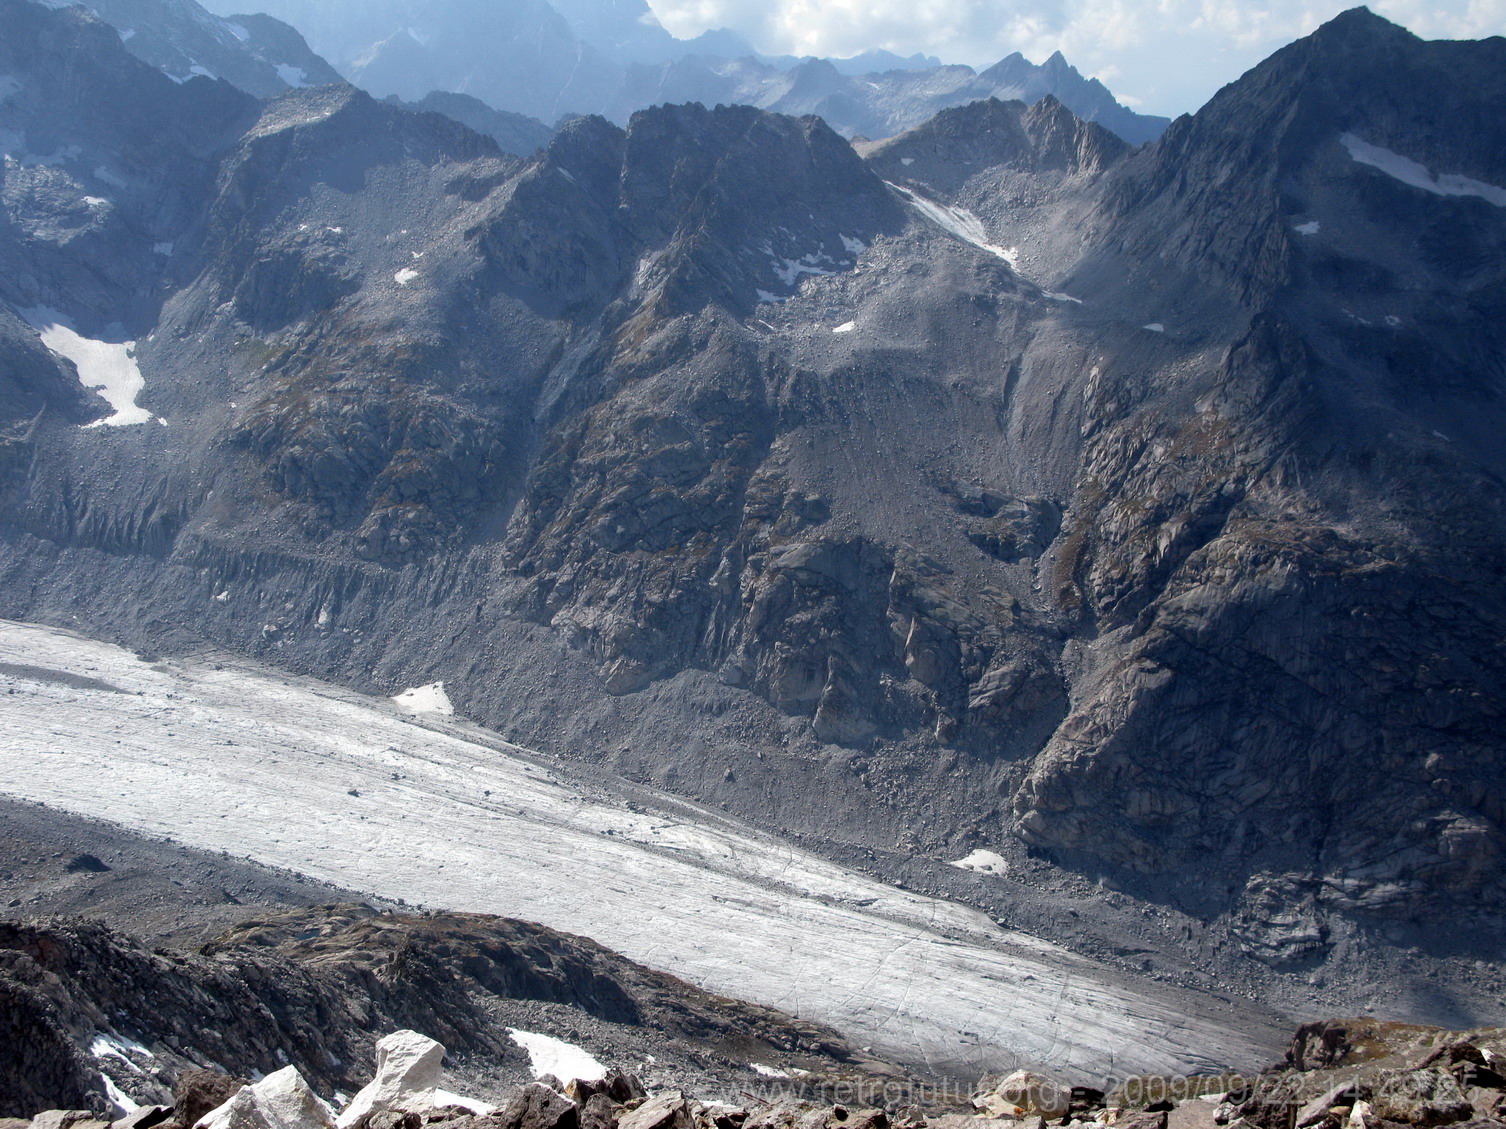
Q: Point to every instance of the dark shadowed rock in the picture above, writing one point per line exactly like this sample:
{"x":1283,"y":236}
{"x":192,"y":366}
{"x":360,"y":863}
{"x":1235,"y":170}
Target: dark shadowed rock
{"x":538,"y":1106}
{"x":196,"y":1092}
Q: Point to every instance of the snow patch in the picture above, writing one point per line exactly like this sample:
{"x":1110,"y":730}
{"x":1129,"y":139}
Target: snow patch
{"x":202,"y":72}
{"x":126,"y":34}
{"x":109,"y":367}
{"x":118,"y":1046}
{"x":853,"y":246}
{"x":1057,"y":296}
{"x":1410,"y":172}
{"x":959,"y":222}
{"x":789,"y":270}
{"x":907,"y":161}
{"x":1311,"y":227}
{"x":293,"y":76}
{"x":118,"y":1097}
{"x":162,"y":248}
{"x":984,"y":862}
{"x":443,"y":1099}
{"x":1155,"y":327}
{"x":425,"y":699}
{"x":9,"y":85}
{"x":405,"y":276}
{"x":768,"y":1071}
{"x":238,"y":31}
{"x":846,"y":327}
{"x":765,"y":296}
{"x":96,"y":201}
{"x":548,"y":1055}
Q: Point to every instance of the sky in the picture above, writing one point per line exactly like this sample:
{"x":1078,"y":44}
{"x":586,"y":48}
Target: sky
{"x":1158,"y":56}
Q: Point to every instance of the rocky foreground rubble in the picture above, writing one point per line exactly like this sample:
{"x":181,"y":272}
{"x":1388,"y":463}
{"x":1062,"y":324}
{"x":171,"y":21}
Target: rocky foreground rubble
{"x":1357,"y":1074}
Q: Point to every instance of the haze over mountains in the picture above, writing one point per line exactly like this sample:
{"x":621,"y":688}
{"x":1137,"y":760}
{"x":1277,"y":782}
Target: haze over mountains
{"x":611,"y":57}
{"x":1125,"y":523}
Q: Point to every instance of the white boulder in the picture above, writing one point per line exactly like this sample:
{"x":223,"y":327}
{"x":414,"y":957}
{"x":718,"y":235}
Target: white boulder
{"x":1023,"y":1094}
{"x":408,"y":1068}
{"x":281,"y":1100}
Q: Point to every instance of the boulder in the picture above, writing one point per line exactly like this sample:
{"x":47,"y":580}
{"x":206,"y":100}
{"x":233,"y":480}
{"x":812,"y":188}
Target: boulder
{"x":144,"y":1118}
{"x":1420,"y":1097}
{"x":537,"y":1106}
{"x":598,"y":1112}
{"x":1315,"y":1112}
{"x":281,"y":1100}
{"x":621,"y":1088}
{"x":196,"y":1092}
{"x":722,"y":1116}
{"x":408,"y":1069}
{"x":392,"y":1119}
{"x":61,"y":1118}
{"x":1142,"y":1119}
{"x":1025,"y":1093}
{"x":667,"y":1111}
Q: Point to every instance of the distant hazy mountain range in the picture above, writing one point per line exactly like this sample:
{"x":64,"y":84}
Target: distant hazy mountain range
{"x":612,"y":57}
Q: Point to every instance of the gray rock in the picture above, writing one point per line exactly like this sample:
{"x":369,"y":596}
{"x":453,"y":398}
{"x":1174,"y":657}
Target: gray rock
{"x":62,"y":1119}
{"x":538,"y":1106}
{"x":664,"y":1111}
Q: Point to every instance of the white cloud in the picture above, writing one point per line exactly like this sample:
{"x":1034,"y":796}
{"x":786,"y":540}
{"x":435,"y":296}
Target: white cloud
{"x":1169,"y":56}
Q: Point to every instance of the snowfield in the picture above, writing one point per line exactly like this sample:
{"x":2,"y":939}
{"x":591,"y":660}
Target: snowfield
{"x":548,"y":1055}
{"x":351,"y":790}
{"x":959,"y":222}
{"x":1418,"y":175}
{"x":107,"y":367}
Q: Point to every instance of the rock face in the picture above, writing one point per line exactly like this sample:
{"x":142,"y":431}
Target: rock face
{"x":1140,"y":509}
{"x":257,"y":54}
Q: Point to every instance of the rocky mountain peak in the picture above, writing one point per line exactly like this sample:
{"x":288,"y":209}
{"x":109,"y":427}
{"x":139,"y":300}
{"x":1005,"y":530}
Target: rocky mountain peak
{"x":1359,"y":27}
{"x":255,"y":53}
{"x":959,"y":143}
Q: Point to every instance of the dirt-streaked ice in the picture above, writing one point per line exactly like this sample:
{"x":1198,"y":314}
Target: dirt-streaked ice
{"x":959,"y":222}
{"x":347,"y":789}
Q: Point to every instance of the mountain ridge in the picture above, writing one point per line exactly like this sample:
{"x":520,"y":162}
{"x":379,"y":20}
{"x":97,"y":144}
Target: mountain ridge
{"x":618,"y":61}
